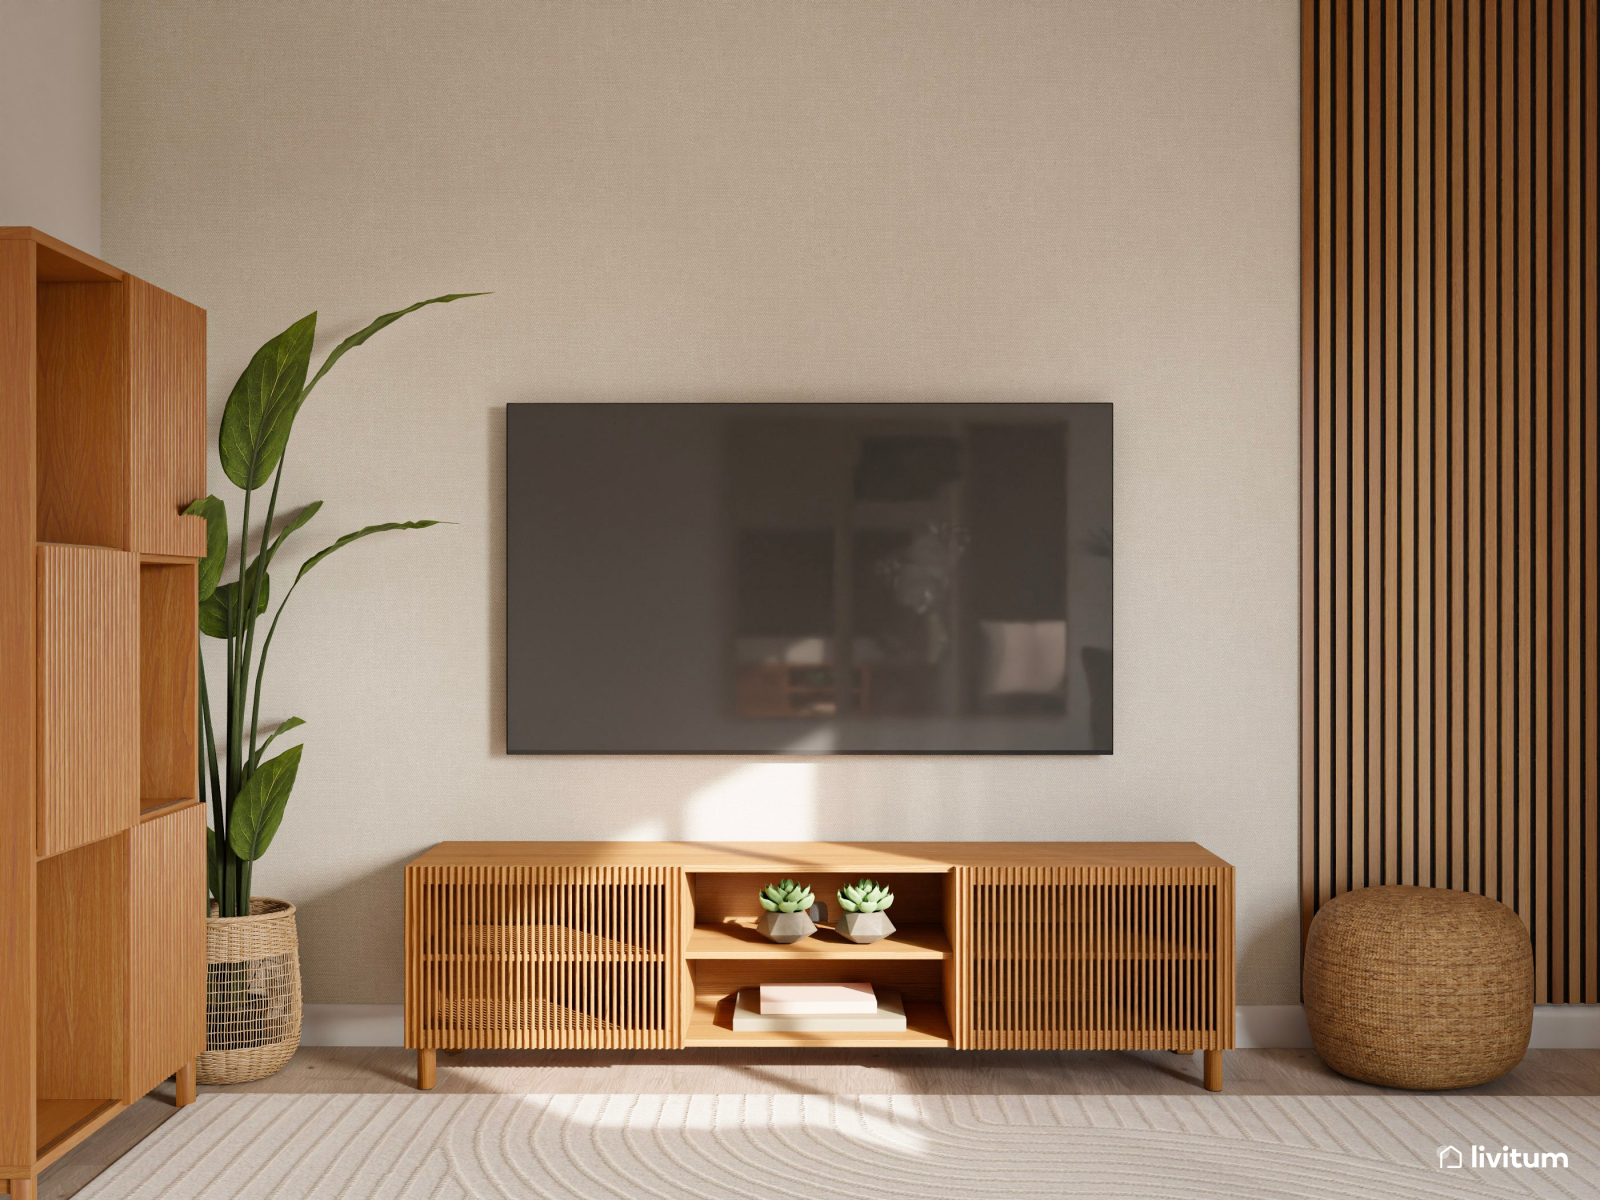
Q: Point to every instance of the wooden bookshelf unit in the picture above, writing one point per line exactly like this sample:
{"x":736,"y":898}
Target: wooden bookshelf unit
{"x":643,"y":945}
{"x":102,"y":838}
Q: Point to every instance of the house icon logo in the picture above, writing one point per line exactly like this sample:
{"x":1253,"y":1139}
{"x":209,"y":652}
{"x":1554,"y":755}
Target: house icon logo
{"x":1449,"y":1157}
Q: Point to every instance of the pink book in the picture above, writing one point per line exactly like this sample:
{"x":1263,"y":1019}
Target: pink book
{"x":817,"y":999}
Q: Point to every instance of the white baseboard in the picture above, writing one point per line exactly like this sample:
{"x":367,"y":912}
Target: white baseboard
{"x":1257,"y":1026}
{"x":353,"y":1025}
{"x":1270,"y":1027}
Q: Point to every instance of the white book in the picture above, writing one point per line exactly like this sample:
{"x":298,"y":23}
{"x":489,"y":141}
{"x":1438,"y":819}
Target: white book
{"x":816,"y":999}
{"x":889,"y":1017}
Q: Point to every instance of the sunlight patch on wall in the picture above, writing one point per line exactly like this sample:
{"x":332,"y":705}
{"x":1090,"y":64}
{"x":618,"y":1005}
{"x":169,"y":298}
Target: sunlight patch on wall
{"x":759,"y":802}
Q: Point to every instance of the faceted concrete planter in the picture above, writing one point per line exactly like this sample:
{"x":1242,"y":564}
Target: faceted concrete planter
{"x":784,"y":928}
{"x":865,"y":927}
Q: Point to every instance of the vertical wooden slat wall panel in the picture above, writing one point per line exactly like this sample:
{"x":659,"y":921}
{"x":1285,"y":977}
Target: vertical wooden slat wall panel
{"x":88,"y":617}
{"x":1448,"y":256}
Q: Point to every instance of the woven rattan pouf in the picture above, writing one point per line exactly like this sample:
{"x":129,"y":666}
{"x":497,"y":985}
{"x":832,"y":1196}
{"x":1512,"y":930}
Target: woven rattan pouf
{"x":1414,"y":987}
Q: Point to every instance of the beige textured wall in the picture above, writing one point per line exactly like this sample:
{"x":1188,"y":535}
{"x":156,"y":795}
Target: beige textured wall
{"x":50,"y":118}
{"x":1087,"y":200}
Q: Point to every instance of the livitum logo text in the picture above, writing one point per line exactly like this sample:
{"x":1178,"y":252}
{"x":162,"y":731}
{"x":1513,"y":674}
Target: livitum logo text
{"x":1480,"y":1157}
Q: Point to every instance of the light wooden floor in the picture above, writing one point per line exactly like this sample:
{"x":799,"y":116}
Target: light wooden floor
{"x":936,"y":1072}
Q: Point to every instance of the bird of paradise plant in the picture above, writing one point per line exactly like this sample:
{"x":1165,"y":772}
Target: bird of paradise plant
{"x":247,"y":791}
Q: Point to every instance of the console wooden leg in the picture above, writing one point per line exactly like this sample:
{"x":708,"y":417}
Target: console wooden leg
{"x":427,"y":1060}
{"x":1213,"y":1071}
{"x":23,"y":1189}
{"x":184,"y":1080}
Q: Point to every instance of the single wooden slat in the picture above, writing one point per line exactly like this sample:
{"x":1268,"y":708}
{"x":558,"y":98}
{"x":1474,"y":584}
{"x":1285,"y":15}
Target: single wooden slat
{"x":1310,"y":512}
{"x":1555,"y":497}
{"x":88,"y":739}
{"x":1524,"y":499}
{"x":1388,"y":480}
{"x":1440,"y":410}
{"x":1489,"y":779}
{"x":1471,"y":560}
{"x":1319,"y":687}
{"x":1589,"y":397}
{"x":1404,"y":797}
{"x":1572,"y":503}
{"x":1340,"y":685}
{"x":1509,"y":455}
{"x":1423,"y":615}
{"x":1355,"y":852}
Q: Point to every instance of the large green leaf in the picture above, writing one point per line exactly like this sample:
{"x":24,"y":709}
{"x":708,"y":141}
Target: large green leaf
{"x":356,"y":536}
{"x":299,"y":521}
{"x":283,"y":727}
{"x":261,"y":409}
{"x":216,"y":515}
{"x":383,"y":322}
{"x":217,"y":611}
{"x":258,"y":811}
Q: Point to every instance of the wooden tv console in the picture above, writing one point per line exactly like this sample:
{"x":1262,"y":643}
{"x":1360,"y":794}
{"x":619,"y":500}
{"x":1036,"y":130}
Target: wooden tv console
{"x":642,"y":945}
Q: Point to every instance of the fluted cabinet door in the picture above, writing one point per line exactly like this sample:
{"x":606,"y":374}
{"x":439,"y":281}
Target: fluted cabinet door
{"x":168,"y":959}
{"x":88,"y":640}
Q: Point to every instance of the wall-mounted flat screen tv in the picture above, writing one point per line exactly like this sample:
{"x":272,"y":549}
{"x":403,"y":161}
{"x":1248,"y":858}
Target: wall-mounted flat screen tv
{"x":822,"y":578}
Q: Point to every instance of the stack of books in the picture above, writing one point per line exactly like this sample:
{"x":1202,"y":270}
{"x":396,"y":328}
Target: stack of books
{"x":818,"y":1008}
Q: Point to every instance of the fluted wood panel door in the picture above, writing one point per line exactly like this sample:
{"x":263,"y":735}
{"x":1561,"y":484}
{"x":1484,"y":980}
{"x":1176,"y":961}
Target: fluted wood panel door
{"x":88,"y":640}
{"x":1449,"y":506}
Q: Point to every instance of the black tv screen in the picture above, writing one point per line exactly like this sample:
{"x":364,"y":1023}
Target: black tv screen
{"x":808,"y":578}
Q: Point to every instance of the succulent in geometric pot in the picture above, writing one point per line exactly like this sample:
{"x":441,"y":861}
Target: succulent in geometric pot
{"x":865,"y":918}
{"x":785,"y":917}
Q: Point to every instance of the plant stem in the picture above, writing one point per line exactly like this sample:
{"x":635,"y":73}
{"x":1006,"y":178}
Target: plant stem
{"x":249,"y":646}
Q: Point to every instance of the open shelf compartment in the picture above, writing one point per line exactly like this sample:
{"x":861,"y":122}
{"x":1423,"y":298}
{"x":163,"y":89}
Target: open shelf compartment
{"x":168,"y":684}
{"x":725,"y":952}
{"x":83,"y":984}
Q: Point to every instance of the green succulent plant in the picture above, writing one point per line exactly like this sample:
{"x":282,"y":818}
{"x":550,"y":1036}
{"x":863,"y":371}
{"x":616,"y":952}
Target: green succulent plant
{"x":865,"y":897}
{"x":785,"y":896}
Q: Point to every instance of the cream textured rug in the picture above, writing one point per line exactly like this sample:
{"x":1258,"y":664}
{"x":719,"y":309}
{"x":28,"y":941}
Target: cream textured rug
{"x":786,"y":1147}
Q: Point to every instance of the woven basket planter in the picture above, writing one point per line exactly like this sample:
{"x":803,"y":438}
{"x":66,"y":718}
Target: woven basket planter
{"x":1419,"y":988}
{"x":252,"y":993}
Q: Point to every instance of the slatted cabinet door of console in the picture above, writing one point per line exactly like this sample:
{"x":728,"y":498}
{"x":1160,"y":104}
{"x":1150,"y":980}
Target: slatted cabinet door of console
{"x":998,"y":946}
{"x":102,"y":838}
{"x":1099,"y":957}
{"x":541,"y":958}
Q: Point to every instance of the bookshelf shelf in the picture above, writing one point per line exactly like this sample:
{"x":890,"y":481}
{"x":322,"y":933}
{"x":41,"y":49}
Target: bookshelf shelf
{"x":740,"y":940}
